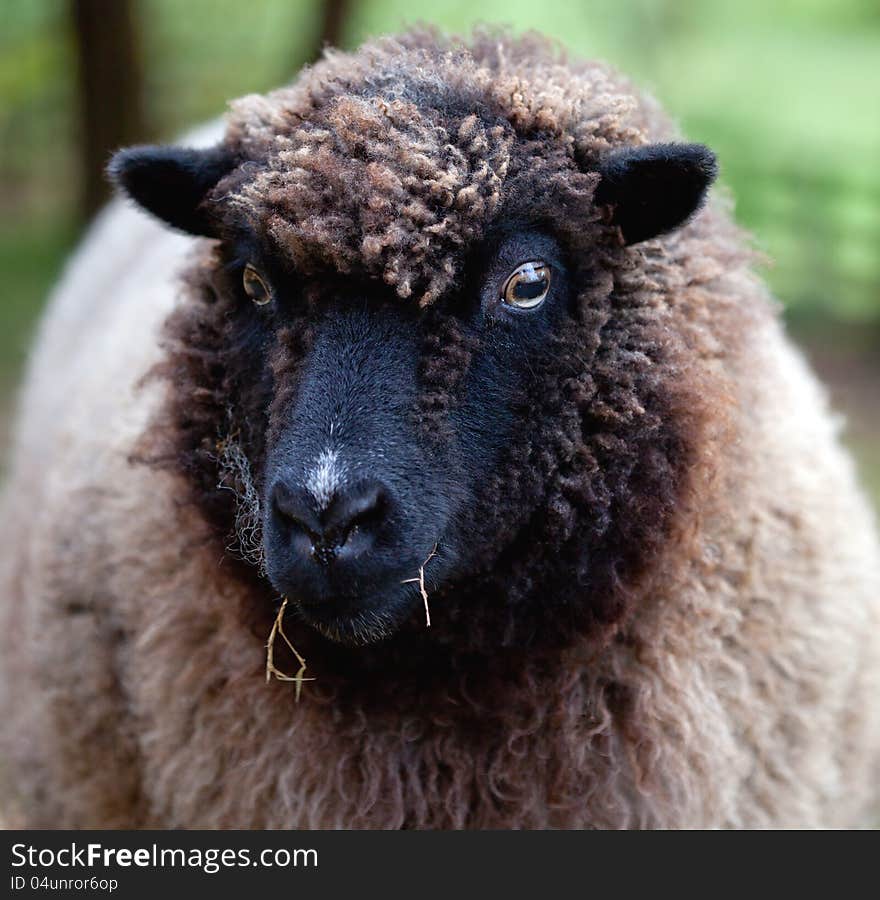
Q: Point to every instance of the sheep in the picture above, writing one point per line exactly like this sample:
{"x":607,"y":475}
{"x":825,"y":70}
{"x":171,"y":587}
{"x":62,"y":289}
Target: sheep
{"x":462,"y":376}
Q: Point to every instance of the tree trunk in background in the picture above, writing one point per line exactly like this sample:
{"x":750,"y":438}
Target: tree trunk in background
{"x":333,"y":17}
{"x":110,"y":81}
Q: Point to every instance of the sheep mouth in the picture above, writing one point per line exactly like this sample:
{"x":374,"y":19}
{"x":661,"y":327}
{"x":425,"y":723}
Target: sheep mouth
{"x":358,"y":621}
{"x":354,"y":607}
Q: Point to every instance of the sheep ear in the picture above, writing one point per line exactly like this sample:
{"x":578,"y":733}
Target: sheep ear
{"x":171,"y":182}
{"x":655,"y":188}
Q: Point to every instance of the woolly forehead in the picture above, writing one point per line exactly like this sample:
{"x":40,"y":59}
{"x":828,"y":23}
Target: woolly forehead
{"x":399,"y":192}
{"x":394,"y":161}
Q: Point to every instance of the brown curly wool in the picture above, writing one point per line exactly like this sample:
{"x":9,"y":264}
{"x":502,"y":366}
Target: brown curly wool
{"x":673,"y":619}
{"x":394,"y":161}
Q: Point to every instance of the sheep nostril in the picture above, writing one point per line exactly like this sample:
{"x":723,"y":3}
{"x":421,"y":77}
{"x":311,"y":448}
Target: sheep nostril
{"x":293,"y":510}
{"x":357,"y":511}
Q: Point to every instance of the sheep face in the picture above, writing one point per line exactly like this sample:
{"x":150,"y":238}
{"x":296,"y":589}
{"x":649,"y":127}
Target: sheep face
{"x":416,"y":344}
{"x":391,"y":441}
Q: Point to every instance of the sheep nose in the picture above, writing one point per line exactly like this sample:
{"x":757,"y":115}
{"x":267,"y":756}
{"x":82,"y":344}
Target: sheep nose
{"x":346,"y":525}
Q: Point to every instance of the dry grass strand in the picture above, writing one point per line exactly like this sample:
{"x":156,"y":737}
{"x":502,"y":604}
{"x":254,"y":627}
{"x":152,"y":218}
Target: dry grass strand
{"x":278,"y":628}
{"x":421,"y":582}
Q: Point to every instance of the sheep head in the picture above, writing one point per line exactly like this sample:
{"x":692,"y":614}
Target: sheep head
{"x":422,"y":324}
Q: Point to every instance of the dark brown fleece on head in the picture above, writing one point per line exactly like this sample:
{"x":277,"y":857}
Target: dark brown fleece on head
{"x":392,"y":162}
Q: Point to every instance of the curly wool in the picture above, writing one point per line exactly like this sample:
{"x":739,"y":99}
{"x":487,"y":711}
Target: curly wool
{"x":724,"y":672}
{"x":394,"y":161}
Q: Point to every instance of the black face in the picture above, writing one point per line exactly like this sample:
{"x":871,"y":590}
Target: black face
{"x":360,"y":489}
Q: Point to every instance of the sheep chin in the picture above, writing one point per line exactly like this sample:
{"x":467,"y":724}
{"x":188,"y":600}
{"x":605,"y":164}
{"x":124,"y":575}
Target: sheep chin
{"x":360,"y":627}
{"x":367,"y":627}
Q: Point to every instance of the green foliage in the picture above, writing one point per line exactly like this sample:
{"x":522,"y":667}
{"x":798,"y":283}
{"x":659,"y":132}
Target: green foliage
{"x":29,"y":261}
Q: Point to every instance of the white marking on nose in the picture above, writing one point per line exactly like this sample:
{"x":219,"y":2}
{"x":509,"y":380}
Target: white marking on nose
{"x":325,"y":477}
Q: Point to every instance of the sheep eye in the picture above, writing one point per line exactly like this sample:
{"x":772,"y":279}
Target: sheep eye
{"x":255,"y":286}
{"x":528,"y":285}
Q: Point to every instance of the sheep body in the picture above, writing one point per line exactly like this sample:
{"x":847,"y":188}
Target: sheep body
{"x":742,"y":692}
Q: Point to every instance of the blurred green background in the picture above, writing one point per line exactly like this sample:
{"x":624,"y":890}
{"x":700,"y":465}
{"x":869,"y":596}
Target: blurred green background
{"x":787,"y":93}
